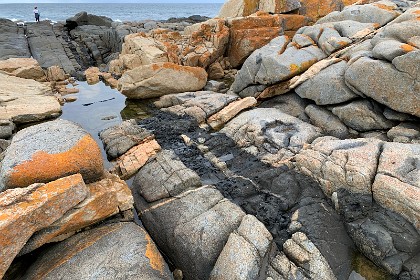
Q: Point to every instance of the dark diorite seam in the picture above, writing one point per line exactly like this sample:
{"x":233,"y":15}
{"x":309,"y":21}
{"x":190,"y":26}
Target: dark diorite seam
{"x":269,"y":208}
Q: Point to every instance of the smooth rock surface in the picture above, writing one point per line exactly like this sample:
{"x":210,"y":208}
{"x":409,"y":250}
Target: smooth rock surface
{"x":158,"y":79}
{"x":116,"y":251}
{"x":48,"y":151}
{"x":26,"y":100}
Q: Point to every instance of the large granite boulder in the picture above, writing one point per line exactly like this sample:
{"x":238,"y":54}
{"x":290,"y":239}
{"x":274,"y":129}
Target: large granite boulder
{"x":116,"y":251}
{"x":362,"y":115}
{"x":25,"y":211}
{"x":328,"y":86}
{"x":158,"y":79}
{"x":48,"y":151}
{"x":25,"y":100}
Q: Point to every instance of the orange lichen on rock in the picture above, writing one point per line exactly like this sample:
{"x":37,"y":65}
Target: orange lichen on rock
{"x":296,"y":69}
{"x":250,"y":7}
{"x":129,"y":163}
{"x":25,"y":211}
{"x":383,"y":6}
{"x":407,"y":48}
{"x":84,"y":158}
{"x":152,"y":253}
{"x":106,"y":198}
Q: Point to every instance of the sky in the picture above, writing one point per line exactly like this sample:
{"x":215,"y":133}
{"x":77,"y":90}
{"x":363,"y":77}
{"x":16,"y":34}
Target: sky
{"x":110,"y":1}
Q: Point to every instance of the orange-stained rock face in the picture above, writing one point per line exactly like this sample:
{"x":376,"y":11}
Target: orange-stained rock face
{"x":25,"y":211}
{"x":250,"y":33}
{"x":129,"y":163}
{"x":106,"y":198}
{"x":84,"y":157}
{"x":154,"y":256}
{"x":316,"y":9}
{"x":92,"y":75}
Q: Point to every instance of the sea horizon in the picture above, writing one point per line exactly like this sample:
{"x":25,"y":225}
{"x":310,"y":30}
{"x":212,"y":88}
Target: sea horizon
{"x":56,"y":12}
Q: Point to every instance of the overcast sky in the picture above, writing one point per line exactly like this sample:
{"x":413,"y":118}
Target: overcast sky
{"x":110,"y":1}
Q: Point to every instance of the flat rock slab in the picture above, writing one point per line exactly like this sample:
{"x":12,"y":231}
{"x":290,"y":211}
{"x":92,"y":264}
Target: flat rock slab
{"x":47,"y":151}
{"x":116,"y":251}
{"x":28,"y":210}
{"x":46,"y":48}
{"x":12,"y":40}
{"x":23,"y":100}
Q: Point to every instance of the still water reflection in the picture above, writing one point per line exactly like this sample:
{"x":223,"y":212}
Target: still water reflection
{"x":98,"y":107}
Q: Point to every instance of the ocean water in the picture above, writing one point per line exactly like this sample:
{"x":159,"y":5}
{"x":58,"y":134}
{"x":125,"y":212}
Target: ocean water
{"x":118,"y":12}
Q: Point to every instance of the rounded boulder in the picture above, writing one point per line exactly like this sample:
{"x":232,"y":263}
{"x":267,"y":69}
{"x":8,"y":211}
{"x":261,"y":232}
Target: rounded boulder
{"x":48,"y":151}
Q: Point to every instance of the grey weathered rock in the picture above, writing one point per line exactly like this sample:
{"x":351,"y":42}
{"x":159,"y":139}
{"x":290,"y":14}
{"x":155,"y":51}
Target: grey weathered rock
{"x":12,"y":40}
{"x":405,"y":132}
{"x":48,"y":151}
{"x":289,"y":103}
{"x":200,"y":105}
{"x":362,"y":115}
{"x":83,"y":18}
{"x":46,"y":47}
{"x":6,"y":129}
{"x":119,"y":139}
{"x":396,"y":60}
{"x":270,"y":134}
{"x":164,"y":176}
{"x":305,"y":254}
{"x":327,"y":87}
{"x":116,"y":251}
{"x":214,"y":86}
{"x":397,"y":185}
{"x":250,"y":68}
{"x":371,"y":13}
{"x":327,"y":121}
{"x":348,"y":164}
{"x":192,"y":228}
{"x":244,"y":253}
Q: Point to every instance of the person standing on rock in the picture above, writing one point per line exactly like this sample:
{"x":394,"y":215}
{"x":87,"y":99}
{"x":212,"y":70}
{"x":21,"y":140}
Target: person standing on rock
{"x":36,"y":12}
